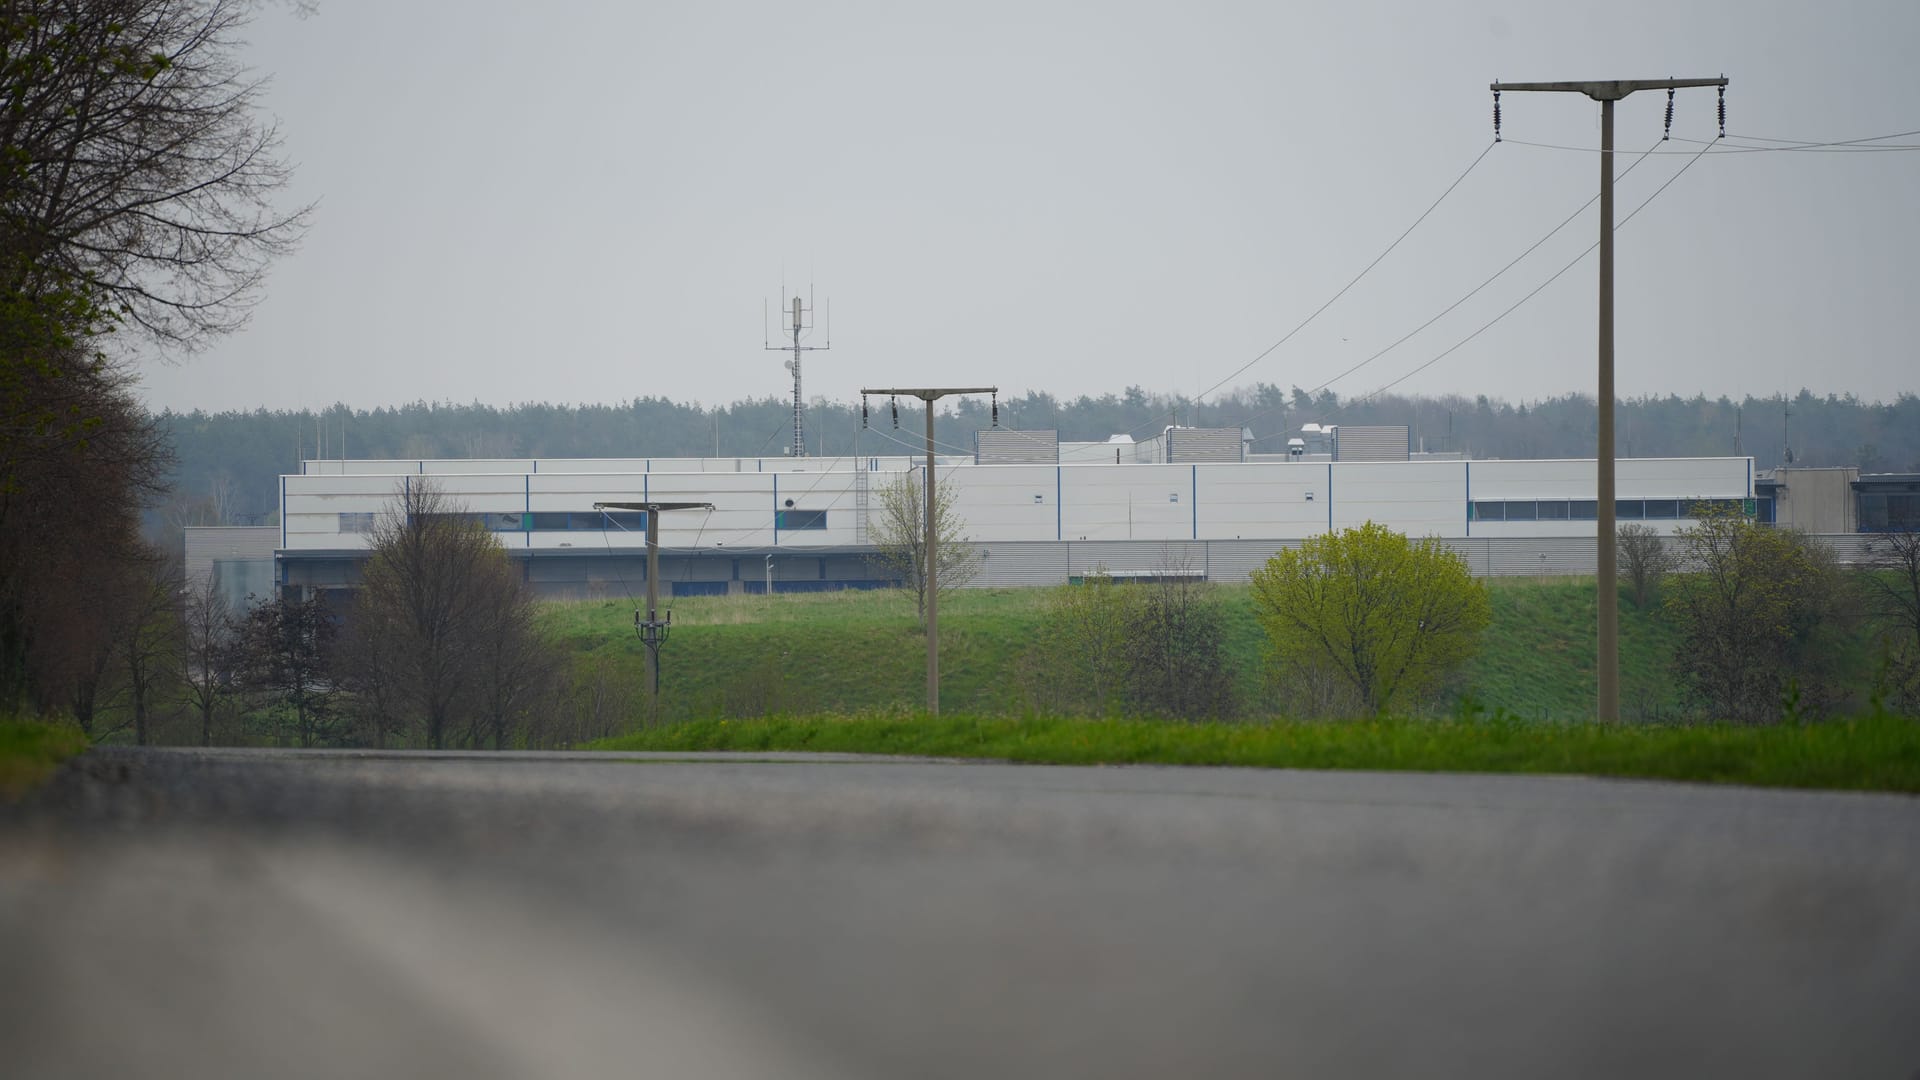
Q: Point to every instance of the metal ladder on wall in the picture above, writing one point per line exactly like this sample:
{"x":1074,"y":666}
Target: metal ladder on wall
{"x":859,"y":502}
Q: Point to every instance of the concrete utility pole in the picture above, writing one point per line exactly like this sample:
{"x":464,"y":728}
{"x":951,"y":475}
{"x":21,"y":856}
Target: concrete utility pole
{"x":652,"y":629}
{"x":932,"y":541}
{"x":1607,"y":658}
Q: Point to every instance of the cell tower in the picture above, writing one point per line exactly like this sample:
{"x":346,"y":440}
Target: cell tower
{"x":801,"y":312}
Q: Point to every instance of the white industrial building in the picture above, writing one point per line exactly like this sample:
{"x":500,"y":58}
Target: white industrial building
{"x":801,"y":524}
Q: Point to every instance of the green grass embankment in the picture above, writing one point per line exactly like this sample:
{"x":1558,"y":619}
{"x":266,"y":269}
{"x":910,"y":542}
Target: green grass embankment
{"x":817,"y":652}
{"x":1536,"y":659}
{"x":1871,"y":754}
{"x":29,"y":752}
{"x":850,"y":652}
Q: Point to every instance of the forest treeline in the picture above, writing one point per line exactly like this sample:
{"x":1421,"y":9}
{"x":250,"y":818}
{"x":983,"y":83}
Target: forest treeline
{"x":227,"y":464}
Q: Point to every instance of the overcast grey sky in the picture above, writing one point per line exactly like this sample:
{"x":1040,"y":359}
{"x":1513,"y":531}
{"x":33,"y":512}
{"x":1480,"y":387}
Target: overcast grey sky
{"x":590,"y":201}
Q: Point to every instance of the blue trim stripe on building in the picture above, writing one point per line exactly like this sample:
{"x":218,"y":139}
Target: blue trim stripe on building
{"x":776,"y":509}
{"x":1469,"y":466}
{"x":1193,"y":498}
{"x":1329,"y":496}
{"x":1058,"y":523}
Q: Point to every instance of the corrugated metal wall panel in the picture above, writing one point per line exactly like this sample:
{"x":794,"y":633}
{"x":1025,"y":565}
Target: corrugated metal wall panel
{"x":1382,"y":442}
{"x":1136,"y":557}
{"x":1004,"y":446}
{"x":1540,"y":556}
{"x":1187,"y":446}
{"x":1232,"y":562}
{"x":1017,"y":564}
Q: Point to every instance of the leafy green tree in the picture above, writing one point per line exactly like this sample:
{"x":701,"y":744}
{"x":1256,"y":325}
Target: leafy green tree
{"x":1387,"y":617}
{"x":1082,"y":652}
{"x":1765,"y":618}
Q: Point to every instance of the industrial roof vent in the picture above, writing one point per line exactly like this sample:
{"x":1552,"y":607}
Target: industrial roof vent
{"x":1004,"y":446}
{"x":1385,"y":442}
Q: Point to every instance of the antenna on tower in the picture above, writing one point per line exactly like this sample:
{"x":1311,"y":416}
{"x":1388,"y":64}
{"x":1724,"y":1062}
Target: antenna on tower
{"x":799,"y":313}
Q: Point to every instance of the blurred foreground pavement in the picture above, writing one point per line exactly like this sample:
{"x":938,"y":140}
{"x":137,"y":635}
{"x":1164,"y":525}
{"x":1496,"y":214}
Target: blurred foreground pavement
{"x":175,"y":913}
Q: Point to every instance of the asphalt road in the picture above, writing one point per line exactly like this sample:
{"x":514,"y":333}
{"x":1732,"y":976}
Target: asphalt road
{"x":234,"y":913}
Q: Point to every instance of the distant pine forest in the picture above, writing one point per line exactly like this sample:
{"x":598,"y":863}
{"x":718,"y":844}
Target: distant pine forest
{"x":226,"y":465}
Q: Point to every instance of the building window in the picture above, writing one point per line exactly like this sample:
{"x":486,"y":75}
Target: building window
{"x":506,"y":522}
{"x":1584,"y":510}
{"x":356,"y":523}
{"x":1662,"y":509}
{"x":1553,"y":511}
{"x":1630,"y":510}
{"x":1487,"y":511}
{"x":586,"y":521}
{"x":799,"y":519}
{"x":1521,"y":511}
{"x":1892,"y":511}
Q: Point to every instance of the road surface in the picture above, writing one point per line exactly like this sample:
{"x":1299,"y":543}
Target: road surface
{"x":255,"y":913}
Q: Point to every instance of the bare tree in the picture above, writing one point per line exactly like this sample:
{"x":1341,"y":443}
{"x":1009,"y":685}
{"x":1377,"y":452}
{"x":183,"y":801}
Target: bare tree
{"x":899,"y":537}
{"x":1644,"y":558}
{"x":140,"y":171}
{"x":1893,"y":584}
{"x":447,"y":619}
{"x":519,"y":670}
{"x":602,"y":698}
{"x":288,"y":653}
{"x":148,"y":634}
{"x":221,"y":497}
{"x":205,"y":658}
{"x":136,"y":187}
{"x":369,"y":675}
{"x":1176,"y":650}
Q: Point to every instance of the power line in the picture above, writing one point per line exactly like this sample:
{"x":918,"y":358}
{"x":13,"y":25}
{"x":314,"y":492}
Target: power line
{"x":1720,"y":148}
{"x":1867,"y":143}
{"x":1475,"y":291}
{"x":1536,"y":290}
{"x":1456,"y":346}
{"x":1570,"y":218}
{"x":1304,"y":323}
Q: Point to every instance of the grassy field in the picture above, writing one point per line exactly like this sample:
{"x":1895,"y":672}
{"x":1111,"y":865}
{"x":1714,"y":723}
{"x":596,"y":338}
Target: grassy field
{"x":1873,"y":754}
{"x":850,"y":652}
{"x":29,"y":752}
